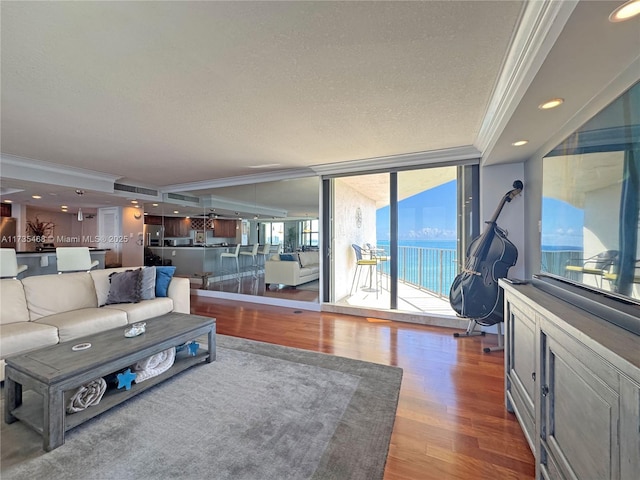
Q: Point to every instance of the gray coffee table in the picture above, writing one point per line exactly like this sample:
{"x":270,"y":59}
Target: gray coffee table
{"x":52,"y":371}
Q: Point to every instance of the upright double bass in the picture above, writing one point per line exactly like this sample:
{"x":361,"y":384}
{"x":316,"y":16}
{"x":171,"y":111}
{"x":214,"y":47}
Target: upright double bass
{"x":475,"y":293}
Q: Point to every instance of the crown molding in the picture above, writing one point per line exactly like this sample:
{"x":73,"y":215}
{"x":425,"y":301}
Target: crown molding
{"x":444,"y":156}
{"x":239,"y":180}
{"x":31,"y":170}
{"x":540,"y":25}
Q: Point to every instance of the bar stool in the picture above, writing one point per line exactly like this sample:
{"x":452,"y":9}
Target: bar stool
{"x":253,"y":254}
{"x":74,"y":259}
{"x":233,"y":255}
{"x":9,"y":267}
{"x":266,"y":249}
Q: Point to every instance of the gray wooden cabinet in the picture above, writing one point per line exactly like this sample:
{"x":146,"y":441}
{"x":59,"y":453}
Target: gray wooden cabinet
{"x":573,"y":381}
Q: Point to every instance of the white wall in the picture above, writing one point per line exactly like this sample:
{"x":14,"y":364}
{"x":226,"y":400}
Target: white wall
{"x":347,"y":232}
{"x":495,"y":182}
{"x":132,"y":227}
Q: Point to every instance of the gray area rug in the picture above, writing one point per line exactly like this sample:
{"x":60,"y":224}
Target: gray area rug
{"x":259,"y":412}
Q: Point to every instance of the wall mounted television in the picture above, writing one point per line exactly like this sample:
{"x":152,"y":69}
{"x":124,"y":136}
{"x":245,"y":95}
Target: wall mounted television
{"x":590,"y":226}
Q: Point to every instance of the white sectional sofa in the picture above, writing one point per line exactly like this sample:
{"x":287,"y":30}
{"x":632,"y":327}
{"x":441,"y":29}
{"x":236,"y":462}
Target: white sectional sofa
{"x":43,"y":310}
{"x":292,"y":268}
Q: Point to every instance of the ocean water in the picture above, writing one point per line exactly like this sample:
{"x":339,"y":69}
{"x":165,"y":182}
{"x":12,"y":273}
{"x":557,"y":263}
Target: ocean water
{"x":427,"y":264}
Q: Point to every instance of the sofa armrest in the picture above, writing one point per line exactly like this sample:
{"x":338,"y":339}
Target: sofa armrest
{"x":180,"y":292}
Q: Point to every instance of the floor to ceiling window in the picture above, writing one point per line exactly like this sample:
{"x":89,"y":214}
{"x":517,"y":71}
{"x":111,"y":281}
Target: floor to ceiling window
{"x":396,"y":237}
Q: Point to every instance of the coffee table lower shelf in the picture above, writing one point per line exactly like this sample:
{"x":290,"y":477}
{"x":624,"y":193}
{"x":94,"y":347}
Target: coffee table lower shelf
{"x":38,"y":384}
{"x":31,"y":412}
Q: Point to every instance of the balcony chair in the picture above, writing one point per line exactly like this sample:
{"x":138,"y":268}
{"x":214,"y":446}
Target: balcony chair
{"x":74,"y":259}
{"x":597,"y":265}
{"x":233,"y":255}
{"x":372,"y":263}
{"x":9,"y":267}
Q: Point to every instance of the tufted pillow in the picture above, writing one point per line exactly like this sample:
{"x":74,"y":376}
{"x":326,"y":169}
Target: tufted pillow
{"x":124,"y":287}
{"x":148,"y":283}
{"x":163,"y":279}
{"x":288,"y":257}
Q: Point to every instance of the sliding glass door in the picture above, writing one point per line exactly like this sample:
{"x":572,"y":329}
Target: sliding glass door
{"x":396,"y":237}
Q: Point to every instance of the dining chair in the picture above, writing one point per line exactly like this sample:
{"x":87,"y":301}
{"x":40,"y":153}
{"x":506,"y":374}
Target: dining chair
{"x":74,"y":259}
{"x":9,"y":267}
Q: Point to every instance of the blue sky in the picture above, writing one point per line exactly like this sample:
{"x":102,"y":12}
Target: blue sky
{"x":431,"y":215}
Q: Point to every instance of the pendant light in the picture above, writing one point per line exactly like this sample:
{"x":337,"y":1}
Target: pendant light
{"x":80,"y":215}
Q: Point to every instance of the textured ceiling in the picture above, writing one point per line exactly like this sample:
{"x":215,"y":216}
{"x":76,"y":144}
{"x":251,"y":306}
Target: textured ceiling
{"x":145,"y":89}
{"x":171,"y":93}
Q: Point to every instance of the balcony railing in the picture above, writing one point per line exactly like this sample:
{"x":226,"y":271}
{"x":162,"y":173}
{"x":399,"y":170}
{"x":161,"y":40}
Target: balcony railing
{"x":428,"y":269}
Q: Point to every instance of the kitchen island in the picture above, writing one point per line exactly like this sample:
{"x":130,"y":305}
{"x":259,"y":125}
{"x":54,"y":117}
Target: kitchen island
{"x":192,"y":260}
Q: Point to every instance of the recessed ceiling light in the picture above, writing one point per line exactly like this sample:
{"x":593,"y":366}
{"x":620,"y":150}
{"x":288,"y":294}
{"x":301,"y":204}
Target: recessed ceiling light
{"x":134,"y":201}
{"x":519,"y":143}
{"x":553,"y":103}
{"x":8,"y":201}
{"x":64,"y":206}
{"x":37,"y":197}
{"x":625,"y":11}
{"x":176,"y":211}
{"x":154,"y":204}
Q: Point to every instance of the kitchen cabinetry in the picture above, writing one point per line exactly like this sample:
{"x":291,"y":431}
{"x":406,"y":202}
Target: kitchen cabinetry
{"x":573,"y":381}
{"x":5,"y":209}
{"x":153,"y":220}
{"x":176,"y":227}
{"x":224,"y":228}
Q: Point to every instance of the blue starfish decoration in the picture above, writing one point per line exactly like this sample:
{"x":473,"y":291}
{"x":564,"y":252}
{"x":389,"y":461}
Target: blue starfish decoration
{"x":193,"y":348}
{"x":125,"y":378}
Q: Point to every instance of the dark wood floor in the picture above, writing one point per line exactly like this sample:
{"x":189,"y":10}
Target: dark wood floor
{"x":451,"y":421}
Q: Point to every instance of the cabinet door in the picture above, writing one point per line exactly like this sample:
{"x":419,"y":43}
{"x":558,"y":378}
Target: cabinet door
{"x":629,"y":429}
{"x":520,"y":365}
{"x":579,"y":408}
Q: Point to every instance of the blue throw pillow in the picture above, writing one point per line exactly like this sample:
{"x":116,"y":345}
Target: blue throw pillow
{"x":163,"y":279}
{"x":287,"y":257}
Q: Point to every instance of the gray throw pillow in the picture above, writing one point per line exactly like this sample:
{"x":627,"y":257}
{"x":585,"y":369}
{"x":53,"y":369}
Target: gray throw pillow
{"x":148,"y":283}
{"x":125,"y":287}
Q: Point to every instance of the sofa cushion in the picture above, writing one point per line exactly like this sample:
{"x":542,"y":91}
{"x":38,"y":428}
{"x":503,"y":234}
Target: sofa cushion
{"x":138,"y":312}
{"x":125,"y":287}
{"x":20,"y":337}
{"x":52,"y":294}
{"x":85,"y":321}
{"x":14,"y":304}
{"x":305,"y":272}
{"x":288,"y":257}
